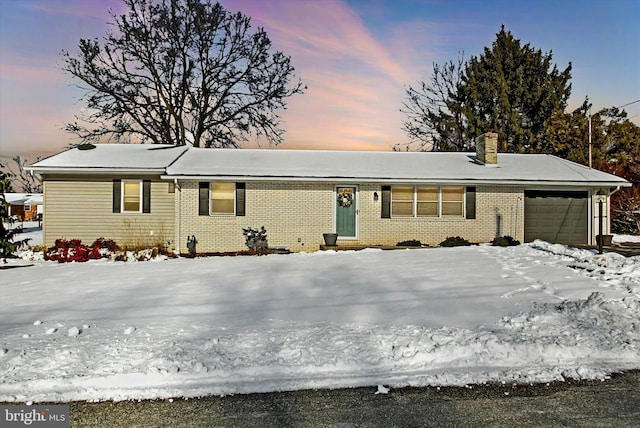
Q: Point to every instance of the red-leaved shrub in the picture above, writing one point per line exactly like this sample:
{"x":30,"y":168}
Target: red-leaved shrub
{"x":65,"y":251}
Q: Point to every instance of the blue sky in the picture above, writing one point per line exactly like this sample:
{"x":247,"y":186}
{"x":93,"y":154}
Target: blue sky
{"x":355,"y":56}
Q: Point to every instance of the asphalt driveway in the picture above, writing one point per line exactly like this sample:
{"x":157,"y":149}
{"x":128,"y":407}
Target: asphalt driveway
{"x":612,"y":403}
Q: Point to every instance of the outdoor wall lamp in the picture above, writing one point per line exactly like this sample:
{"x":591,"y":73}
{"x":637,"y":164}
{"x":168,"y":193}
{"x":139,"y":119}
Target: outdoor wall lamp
{"x":375,"y":196}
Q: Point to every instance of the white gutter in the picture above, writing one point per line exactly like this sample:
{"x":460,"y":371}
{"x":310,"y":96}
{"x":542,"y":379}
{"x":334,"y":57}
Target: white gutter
{"x":95,"y":170}
{"x":178,"y":234}
{"x":460,"y":181}
{"x":617,"y":189}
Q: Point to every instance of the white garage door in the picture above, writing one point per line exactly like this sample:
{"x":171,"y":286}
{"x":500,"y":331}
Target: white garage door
{"x":556,"y":216}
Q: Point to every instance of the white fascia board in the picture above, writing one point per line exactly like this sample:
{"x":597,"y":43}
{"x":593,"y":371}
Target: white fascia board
{"x":64,"y":170}
{"x":461,"y":181}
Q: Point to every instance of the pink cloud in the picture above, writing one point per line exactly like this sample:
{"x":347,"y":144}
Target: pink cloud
{"x":355,"y":81}
{"x":329,"y":30}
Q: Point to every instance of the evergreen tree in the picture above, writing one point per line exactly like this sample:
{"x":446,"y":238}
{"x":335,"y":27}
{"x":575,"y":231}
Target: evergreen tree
{"x":615,"y":148}
{"x":8,"y":244}
{"x":513,"y":90}
{"x":619,"y":153}
{"x":510,"y":89}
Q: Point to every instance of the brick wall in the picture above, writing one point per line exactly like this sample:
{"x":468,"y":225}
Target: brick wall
{"x":296,"y":214}
{"x":490,"y":201}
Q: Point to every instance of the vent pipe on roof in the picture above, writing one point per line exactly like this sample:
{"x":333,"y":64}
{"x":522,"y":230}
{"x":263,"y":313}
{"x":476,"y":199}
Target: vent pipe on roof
{"x":487,"y":148}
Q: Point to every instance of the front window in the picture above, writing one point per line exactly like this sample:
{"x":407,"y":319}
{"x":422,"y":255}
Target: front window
{"x":131,"y":196}
{"x":427,"y":201}
{"x":223,"y":198}
{"x":452,"y":201}
{"x":402,"y":201}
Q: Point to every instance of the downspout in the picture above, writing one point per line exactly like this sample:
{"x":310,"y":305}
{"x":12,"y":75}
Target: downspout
{"x":179,"y":219}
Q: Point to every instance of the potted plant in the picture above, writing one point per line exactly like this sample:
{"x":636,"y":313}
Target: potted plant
{"x":606,"y":239}
{"x":330,"y":239}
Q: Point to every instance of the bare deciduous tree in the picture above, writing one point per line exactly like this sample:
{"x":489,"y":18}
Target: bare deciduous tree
{"x":181,"y":72}
{"x":434,"y":120}
{"x":21,"y":180}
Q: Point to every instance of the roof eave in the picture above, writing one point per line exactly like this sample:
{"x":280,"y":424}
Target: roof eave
{"x":93,"y":170}
{"x":458,"y":181}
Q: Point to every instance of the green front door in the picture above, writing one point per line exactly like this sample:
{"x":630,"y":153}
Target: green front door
{"x":346,"y":212}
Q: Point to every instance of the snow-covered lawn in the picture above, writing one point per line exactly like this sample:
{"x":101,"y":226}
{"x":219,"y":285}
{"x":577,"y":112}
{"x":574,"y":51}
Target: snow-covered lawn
{"x":190,"y":327}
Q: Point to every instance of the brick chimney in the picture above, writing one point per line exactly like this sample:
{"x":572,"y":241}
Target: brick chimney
{"x":487,"y":149}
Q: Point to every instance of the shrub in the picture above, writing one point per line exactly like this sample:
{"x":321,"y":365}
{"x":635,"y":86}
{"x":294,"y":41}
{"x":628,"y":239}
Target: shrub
{"x":504,"y":241}
{"x":409,"y":243}
{"x":102,"y":248}
{"x":65,"y":251}
{"x":255,"y":239}
{"x":455,"y":241}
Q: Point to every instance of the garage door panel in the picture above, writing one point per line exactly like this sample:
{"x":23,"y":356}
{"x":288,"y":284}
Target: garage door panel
{"x":556,"y":219}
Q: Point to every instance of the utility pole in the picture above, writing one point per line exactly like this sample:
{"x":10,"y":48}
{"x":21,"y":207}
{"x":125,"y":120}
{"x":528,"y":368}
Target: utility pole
{"x":590,"y":150}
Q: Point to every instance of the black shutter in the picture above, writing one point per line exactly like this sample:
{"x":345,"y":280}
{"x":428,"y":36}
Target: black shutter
{"x":146,"y":196}
{"x":471,"y":203}
{"x":117,"y":187}
{"x":386,"y":202}
{"x":203,"y":198}
{"x":240,"y":192}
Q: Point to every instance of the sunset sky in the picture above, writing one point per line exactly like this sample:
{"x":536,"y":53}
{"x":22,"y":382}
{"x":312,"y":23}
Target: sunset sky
{"x":355,"y":56}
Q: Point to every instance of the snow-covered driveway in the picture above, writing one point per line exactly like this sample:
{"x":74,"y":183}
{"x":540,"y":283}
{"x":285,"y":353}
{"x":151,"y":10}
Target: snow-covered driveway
{"x":105,"y":330}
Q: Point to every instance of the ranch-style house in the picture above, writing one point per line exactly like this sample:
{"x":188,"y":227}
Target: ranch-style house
{"x":147,"y":195}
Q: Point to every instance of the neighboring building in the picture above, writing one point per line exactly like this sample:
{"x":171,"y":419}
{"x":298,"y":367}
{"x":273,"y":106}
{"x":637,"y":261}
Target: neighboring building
{"x":24,"y":206}
{"x":150,"y":194}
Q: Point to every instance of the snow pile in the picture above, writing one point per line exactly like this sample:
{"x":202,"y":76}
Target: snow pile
{"x":612,"y":269}
{"x":620,"y":239}
{"x":189,"y":327}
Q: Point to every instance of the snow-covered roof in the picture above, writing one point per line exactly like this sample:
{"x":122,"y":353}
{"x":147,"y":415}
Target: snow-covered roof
{"x":107,"y":157}
{"x":23,"y":198}
{"x":35,"y":199}
{"x":384,"y":166}
{"x":322,"y":165}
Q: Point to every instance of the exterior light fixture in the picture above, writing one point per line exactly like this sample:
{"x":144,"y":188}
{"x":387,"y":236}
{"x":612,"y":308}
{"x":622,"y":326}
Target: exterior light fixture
{"x":375,"y":196}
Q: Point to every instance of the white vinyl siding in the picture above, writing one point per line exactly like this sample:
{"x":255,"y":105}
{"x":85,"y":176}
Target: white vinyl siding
{"x":82,"y":208}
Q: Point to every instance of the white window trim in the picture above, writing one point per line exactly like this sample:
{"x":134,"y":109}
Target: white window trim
{"x":440,"y":215}
{"x":122,"y":210}
{"x":211,"y":213}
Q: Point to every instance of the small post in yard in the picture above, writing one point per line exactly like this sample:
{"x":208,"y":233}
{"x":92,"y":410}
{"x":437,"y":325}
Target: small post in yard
{"x":191,"y":245}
